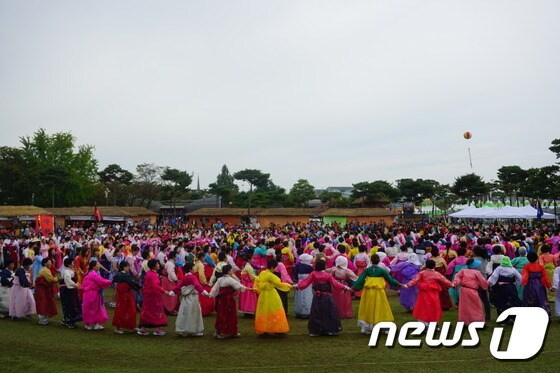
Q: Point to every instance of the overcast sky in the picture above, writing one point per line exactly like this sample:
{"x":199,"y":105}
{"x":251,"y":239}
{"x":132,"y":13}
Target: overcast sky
{"x":333,"y":91}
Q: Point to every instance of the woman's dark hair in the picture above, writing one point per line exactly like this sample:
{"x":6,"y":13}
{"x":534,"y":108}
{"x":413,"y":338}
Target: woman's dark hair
{"x":222,"y":256}
{"x":362,"y":248}
{"x":171,"y":255}
{"x":271,"y":264}
{"x":545,"y":249}
{"x":375,"y":259}
{"x":188,"y":267}
{"x":92,"y":264}
{"x":67,"y":262}
{"x":320,"y":265}
{"x":435,"y":252}
{"x":480,"y":252}
{"x":470,"y":261}
{"x":27,"y":262}
{"x":430,"y":264}
{"x":497,"y":249}
{"x":44,"y":262}
{"x":532,"y":257}
{"x":461,"y":251}
{"x":123,"y":264}
{"x":226,"y":269}
{"x":152,"y":263}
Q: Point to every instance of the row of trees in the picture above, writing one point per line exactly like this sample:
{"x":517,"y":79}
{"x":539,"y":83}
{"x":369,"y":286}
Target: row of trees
{"x":51,"y":170}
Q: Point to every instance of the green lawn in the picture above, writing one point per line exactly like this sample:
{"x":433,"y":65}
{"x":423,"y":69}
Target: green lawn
{"x":26,"y":347}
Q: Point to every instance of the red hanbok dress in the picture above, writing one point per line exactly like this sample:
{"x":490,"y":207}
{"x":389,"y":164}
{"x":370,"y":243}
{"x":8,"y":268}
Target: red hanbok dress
{"x":125,"y":311}
{"x":44,"y":296}
{"x":153,"y":313}
{"x":428,"y":305}
{"x":226,"y":308}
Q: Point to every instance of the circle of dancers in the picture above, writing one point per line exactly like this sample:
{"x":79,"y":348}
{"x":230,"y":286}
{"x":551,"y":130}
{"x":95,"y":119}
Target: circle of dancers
{"x":191,"y":272}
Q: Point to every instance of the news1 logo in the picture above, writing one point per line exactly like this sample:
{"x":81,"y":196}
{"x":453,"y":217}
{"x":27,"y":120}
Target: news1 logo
{"x":526,"y":339}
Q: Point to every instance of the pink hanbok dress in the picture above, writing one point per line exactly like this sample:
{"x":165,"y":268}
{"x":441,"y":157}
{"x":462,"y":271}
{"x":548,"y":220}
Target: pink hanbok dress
{"x":470,"y":305}
{"x":93,"y":309}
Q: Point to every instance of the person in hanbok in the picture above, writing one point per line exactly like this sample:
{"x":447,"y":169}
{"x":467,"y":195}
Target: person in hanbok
{"x":168,"y":282}
{"x":556,"y":288}
{"x":71,"y":307}
{"x":153,"y":314}
{"x":189,"y":320}
{"x":342,"y":298}
{"x":470,"y":279}
{"x":548,"y":261}
{"x":22,"y":302}
{"x":124,"y":318}
{"x":441,"y":267}
{"x":224,"y":290}
{"x":206,"y":303}
{"x":94,"y":314}
{"x":503,"y":281}
{"x":6,"y":283}
{"x":283,"y":275}
{"x":324,"y":319}
{"x":404,"y":272}
{"x":454,"y":267}
{"x":270,"y":317}
{"x":518,"y":263}
{"x":362,"y":260}
{"x":303,"y":297}
{"x":81,"y":264}
{"x":44,"y":295}
{"x":248,"y":299}
{"x":430,"y":284}
{"x":535,"y":281}
{"x":374,"y":306}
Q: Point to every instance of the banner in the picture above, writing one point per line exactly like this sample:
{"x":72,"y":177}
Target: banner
{"x":44,"y":224}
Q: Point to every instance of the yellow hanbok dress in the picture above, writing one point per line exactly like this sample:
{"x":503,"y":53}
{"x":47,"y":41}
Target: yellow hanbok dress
{"x":269,"y":315}
{"x":374,"y":306}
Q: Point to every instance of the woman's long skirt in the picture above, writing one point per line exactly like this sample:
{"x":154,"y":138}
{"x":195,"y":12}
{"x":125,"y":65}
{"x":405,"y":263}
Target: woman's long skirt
{"x":125,"y":311}
{"x":189,"y":318}
{"x":44,"y":298}
{"x":247,"y":299}
{"x":323,"y":319}
{"x":303,"y":300}
{"x":71,"y":307}
{"x":226,"y":313}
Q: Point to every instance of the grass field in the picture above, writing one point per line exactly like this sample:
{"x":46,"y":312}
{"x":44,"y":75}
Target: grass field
{"x":27,"y":347}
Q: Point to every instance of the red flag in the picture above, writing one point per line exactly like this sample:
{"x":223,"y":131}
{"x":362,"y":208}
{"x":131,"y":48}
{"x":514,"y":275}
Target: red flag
{"x":44,"y":224}
{"x":97,"y":214}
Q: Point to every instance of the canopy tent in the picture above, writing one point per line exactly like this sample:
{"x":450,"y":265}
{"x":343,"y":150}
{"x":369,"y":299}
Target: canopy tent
{"x":506,"y":212}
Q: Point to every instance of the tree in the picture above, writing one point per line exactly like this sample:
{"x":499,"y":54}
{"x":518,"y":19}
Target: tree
{"x":176,"y":182}
{"x":14,"y":185}
{"x":416,"y":191}
{"x":334,"y":199}
{"x":145,"y":186}
{"x":542,"y":183}
{"x":302,"y":191}
{"x":555,"y":148}
{"x":470,"y":188}
{"x":255,"y":178}
{"x":378,"y":193}
{"x":116,"y":179}
{"x":224,"y":187}
{"x":58,"y":172}
{"x":510,"y":181}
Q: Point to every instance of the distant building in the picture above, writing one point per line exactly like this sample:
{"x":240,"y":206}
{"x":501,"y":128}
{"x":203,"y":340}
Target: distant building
{"x":360,"y":215}
{"x":346,"y":191}
{"x":112,"y":214}
{"x":262,"y":216}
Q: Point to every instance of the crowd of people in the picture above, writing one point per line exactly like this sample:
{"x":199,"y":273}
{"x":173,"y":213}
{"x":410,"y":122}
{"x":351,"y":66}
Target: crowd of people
{"x":191,"y":272}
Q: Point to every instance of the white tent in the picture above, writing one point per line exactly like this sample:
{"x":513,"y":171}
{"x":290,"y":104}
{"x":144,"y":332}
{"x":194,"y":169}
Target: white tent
{"x":506,"y":212}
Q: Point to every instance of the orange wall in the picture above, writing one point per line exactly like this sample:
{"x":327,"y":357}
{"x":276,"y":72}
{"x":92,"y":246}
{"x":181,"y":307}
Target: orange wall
{"x":265,"y":221}
{"x":209,"y":220}
{"x":388,"y":220}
